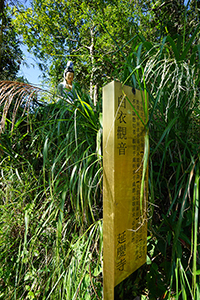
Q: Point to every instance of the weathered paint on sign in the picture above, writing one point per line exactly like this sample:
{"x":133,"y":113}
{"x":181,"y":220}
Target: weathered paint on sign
{"x":124,"y":227}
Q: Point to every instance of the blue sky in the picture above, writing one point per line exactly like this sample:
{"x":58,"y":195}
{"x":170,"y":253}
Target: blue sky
{"x":32,"y":72}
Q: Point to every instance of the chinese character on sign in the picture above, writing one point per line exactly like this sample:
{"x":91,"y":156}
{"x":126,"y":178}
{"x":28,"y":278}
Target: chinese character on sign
{"x":121,"y":132}
{"x":121,"y":251}
{"x":122,"y":147}
{"x":122,"y":101}
{"x":122,"y":117}
{"x":121,"y":238}
{"x":120,"y":264}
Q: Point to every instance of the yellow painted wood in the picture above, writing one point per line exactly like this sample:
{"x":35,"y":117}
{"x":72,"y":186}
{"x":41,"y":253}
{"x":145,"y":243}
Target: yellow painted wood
{"x":124,"y":228}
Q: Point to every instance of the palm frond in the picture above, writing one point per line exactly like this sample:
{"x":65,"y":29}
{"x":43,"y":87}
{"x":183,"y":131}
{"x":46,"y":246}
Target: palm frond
{"x":15,"y":95}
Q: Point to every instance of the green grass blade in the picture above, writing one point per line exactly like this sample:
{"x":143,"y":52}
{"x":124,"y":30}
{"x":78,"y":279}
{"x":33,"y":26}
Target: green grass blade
{"x":173,"y":45}
{"x":144,"y":171}
{"x":196,"y":212}
{"x":166,"y":131}
{"x":183,"y":56}
{"x":177,"y":281}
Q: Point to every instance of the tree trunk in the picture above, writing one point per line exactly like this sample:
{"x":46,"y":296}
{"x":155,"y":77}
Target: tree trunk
{"x":92,"y":62}
{"x":95,"y":94}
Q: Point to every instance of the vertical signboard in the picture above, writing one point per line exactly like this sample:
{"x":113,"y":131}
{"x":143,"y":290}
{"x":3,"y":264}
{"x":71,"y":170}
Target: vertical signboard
{"x":124,"y":217}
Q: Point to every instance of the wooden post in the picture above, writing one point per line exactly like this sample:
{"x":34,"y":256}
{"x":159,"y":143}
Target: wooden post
{"x":124,"y":220}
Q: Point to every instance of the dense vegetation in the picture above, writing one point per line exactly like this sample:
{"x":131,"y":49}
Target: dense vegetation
{"x":51,"y":163}
{"x":10,"y":52}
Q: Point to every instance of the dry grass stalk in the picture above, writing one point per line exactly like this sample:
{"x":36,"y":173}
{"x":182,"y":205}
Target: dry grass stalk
{"x":20,"y":95}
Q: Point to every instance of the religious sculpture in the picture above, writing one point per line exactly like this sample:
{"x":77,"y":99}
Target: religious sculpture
{"x":65,"y":87}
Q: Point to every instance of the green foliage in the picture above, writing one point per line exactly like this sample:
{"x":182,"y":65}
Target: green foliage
{"x":57,"y":31}
{"x":172,"y":81}
{"x":170,"y":74}
{"x":10,"y":52}
{"x":51,"y":229}
{"x":51,"y":167}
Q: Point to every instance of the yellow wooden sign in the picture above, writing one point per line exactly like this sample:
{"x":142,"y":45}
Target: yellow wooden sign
{"x":124,"y":220}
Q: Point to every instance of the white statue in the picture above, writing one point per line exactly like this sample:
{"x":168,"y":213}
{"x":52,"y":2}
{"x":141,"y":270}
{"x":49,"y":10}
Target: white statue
{"x":65,"y":86}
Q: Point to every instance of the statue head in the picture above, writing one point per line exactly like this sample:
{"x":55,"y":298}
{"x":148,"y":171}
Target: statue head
{"x":69,"y":72}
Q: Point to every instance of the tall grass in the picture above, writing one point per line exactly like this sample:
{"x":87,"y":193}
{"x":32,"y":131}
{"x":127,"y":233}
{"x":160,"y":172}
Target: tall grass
{"x":172,"y":81}
{"x":51,"y":181}
{"x":169,"y":71}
